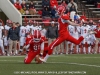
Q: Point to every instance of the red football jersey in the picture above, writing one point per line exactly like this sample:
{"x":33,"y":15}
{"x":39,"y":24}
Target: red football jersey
{"x":97,"y":35}
{"x":34,"y":46}
{"x":62,"y":27}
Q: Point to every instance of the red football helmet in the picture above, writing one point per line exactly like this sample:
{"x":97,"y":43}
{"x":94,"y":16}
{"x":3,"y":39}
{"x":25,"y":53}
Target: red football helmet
{"x":60,"y":9}
{"x":37,"y":35}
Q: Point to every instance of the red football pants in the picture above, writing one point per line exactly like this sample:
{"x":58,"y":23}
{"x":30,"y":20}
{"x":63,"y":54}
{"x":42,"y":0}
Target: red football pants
{"x":31,"y":55}
{"x":66,"y":36}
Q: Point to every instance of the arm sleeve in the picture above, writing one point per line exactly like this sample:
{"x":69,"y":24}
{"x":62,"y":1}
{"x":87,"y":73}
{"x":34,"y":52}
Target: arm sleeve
{"x":64,"y":21}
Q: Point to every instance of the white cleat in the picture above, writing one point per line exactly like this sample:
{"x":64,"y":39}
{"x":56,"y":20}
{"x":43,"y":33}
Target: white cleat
{"x":42,"y":59}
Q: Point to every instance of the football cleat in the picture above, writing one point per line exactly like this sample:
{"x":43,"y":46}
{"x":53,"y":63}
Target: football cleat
{"x":42,"y":59}
{"x":37,"y":60}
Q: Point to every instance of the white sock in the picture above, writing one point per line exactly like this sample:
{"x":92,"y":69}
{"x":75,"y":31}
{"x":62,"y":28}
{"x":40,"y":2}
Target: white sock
{"x":89,"y":49}
{"x":84,"y":49}
{"x":46,"y":57}
{"x":72,"y":46}
{"x":16,"y":52}
{"x":77,"y":48}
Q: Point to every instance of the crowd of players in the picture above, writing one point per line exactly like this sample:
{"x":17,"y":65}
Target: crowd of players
{"x":23,"y":31}
{"x":75,"y":31}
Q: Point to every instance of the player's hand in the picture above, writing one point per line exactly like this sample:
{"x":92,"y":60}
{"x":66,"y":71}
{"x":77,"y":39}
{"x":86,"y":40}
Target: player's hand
{"x":41,"y":54}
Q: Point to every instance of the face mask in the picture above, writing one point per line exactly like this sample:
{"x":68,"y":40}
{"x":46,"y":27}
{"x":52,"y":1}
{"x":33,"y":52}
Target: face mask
{"x":36,"y":40}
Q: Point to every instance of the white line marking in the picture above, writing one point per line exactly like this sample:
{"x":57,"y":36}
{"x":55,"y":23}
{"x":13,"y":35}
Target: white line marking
{"x":84,"y":64}
{"x":56,"y":56}
{"x":61,"y":63}
{"x":76,"y":64}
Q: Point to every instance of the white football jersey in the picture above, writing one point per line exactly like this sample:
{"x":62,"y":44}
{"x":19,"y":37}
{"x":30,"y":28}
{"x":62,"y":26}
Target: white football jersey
{"x":76,"y":31}
{"x":23,"y":31}
{"x":33,"y":29}
{"x":43,"y":32}
{"x":70,"y":29}
{"x":93,"y":27}
{"x":92,"y":36}
{"x":7,"y":27}
{"x":29,"y":28}
{"x":85,"y":29}
{"x":40,"y":27}
{"x":1,"y":28}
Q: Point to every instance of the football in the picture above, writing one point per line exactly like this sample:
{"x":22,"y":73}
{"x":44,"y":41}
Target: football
{"x":37,"y":60}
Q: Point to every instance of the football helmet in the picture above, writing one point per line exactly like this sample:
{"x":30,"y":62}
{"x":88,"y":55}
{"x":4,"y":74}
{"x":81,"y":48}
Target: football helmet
{"x":37,"y":35}
{"x":60,"y":9}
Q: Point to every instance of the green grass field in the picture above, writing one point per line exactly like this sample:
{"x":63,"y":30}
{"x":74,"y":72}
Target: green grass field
{"x":56,"y":65}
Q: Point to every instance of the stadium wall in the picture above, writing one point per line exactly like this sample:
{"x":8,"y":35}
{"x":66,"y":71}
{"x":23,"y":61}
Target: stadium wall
{"x":11,"y":12}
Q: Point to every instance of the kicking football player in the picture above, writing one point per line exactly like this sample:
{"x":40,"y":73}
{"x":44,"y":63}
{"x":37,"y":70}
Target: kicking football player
{"x":63,"y":23}
{"x":36,"y":46}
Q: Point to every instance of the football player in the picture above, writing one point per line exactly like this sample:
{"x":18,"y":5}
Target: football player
{"x":63,"y":23}
{"x":23,"y":31}
{"x":36,"y":46}
{"x":6,"y":29}
{"x":1,"y":38}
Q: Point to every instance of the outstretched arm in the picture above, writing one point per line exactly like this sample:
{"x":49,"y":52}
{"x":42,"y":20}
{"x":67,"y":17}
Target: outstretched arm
{"x":72,"y":23}
{"x":69,"y":22}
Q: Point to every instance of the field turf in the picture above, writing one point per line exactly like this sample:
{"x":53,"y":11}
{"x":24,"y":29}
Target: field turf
{"x":76,"y":64}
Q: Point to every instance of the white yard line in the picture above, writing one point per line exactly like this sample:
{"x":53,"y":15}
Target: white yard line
{"x":62,"y":63}
{"x":10,"y":56}
{"x":56,"y":56}
{"x":76,"y":64}
{"x":85,"y":65}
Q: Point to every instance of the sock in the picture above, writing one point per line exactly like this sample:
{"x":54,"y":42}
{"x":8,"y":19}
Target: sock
{"x":89,"y":49}
{"x":77,"y":49}
{"x":84,"y":50}
{"x":46,"y":57}
{"x":16,"y":52}
{"x":72,"y":46}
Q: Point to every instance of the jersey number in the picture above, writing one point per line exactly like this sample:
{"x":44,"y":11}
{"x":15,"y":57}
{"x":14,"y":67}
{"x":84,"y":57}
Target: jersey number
{"x":36,"y":47}
{"x":23,"y":31}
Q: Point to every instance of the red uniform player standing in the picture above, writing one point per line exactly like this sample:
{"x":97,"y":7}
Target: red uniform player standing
{"x":63,"y":23}
{"x":36,"y":45}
